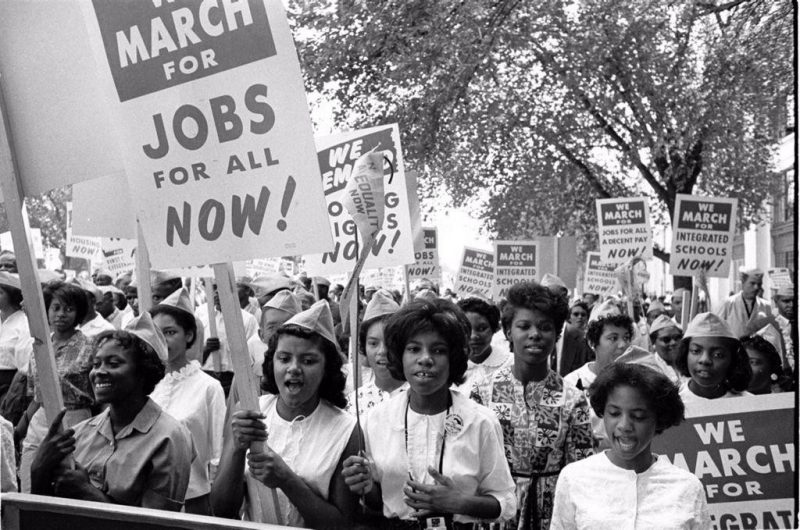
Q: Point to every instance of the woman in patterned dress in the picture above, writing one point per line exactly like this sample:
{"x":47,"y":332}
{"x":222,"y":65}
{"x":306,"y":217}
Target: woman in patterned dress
{"x":545,"y":421}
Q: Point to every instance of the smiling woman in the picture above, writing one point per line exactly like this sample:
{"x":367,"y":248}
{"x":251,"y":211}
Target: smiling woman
{"x":132,"y":453}
{"x":436,"y":457}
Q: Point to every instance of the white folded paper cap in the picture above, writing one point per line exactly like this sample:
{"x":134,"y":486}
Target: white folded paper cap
{"x":144,"y":328}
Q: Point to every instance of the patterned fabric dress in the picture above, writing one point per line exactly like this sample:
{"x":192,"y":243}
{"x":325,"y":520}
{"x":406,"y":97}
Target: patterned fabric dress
{"x":545,"y":427}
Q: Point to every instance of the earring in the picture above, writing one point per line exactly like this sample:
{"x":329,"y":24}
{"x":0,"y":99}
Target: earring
{"x":773,"y":377}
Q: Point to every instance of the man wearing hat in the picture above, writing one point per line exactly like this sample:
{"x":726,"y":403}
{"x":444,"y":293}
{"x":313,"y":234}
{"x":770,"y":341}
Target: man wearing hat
{"x":787,"y":322}
{"x":275,"y":313}
{"x":746,"y":312}
{"x":323,"y":287}
{"x":93,"y":324}
{"x":106,"y":307}
{"x":267,"y":286}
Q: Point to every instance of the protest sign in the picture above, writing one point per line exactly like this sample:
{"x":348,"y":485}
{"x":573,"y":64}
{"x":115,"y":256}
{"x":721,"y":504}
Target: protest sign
{"x":393,"y":246}
{"x":426,"y":265}
{"x":780,"y":278}
{"x":58,"y":114}
{"x":743,"y":451}
{"x":702,"y":235}
{"x":214,"y":128}
{"x":598,"y":278}
{"x":119,"y":255}
{"x":261,"y":267}
{"x":515,"y":261}
{"x":6,"y":242}
{"x":102,"y":207}
{"x":475,"y":274}
{"x":624,"y":229}
{"x":80,"y":246}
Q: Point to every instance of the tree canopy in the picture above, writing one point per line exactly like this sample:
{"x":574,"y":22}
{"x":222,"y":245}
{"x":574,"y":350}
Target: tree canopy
{"x":549,"y":105}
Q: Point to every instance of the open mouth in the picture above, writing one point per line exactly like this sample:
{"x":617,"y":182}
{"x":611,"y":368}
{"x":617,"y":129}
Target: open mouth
{"x":626,"y":444}
{"x":293,"y":386}
{"x":425,"y":376}
{"x":103,"y":385}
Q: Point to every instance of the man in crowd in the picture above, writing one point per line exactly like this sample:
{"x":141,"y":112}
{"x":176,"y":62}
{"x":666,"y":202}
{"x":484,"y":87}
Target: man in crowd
{"x":746,"y":312}
{"x":572,"y":351}
{"x":787,"y":322}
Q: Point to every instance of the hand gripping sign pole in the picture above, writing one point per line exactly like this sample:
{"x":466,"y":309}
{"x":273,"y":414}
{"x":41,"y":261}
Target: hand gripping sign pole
{"x":244,"y":377}
{"x":212,"y":322}
{"x":11,"y":186}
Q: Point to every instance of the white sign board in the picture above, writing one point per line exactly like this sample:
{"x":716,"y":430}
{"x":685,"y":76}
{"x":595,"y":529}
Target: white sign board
{"x":476,"y":274}
{"x":36,"y":236}
{"x":119,"y":255}
{"x":426,"y":265}
{"x":515,"y":261}
{"x":80,"y":246}
{"x":394,"y":243}
{"x":598,"y":278}
{"x":214,"y":128}
{"x":702,"y":236}
{"x":623,"y":227}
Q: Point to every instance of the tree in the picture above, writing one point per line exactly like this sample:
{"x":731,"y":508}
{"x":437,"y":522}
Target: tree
{"x":552,"y":104}
{"x":48,"y":212}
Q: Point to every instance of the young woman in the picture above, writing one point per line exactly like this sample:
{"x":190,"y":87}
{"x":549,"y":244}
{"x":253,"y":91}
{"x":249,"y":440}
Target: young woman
{"x":579,"y":315}
{"x":435,"y":455}
{"x":545,"y":420}
{"x":627,"y":486}
{"x":713,"y":359}
{"x":372,"y":345}
{"x":66,"y":307}
{"x":665,"y":337}
{"x":13,"y":331}
{"x":133,"y":452}
{"x":766,"y":365}
{"x":484,"y":360}
{"x":190,"y":396}
{"x":309,"y":434}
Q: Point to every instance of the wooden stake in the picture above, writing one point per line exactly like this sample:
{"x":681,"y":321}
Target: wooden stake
{"x":245,"y":379}
{"x":144,"y":293}
{"x":11,"y":186}
{"x":686,"y":309}
{"x":212,"y":322}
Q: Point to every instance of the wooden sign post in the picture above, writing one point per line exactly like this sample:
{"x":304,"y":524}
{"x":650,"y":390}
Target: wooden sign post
{"x":212,"y":321}
{"x":245,"y":379}
{"x":11,"y":186}
{"x":144,"y":293}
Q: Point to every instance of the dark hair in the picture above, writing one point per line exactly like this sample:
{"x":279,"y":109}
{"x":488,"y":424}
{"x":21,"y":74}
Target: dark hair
{"x":14,"y":296}
{"x":148,"y":365}
{"x":765,"y":347}
{"x":660,"y":394}
{"x":331,"y":388}
{"x":68,"y":294}
{"x":595,"y":328}
{"x":739,"y":372}
{"x":535,"y":297}
{"x":420,"y":316}
{"x":185,"y":320}
{"x":582,"y":305}
{"x":483,"y":308}
{"x":364,"y":329}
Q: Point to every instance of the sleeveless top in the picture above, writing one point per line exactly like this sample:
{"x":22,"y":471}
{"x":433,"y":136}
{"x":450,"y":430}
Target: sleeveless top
{"x":311,"y":446}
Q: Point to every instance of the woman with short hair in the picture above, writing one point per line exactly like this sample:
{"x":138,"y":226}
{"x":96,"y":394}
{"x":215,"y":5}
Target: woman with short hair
{"x":627,"y":486}
{"x":131,"y":453}
{"x":484,"y":359}
{"x":767,"y":366}
{"x":66,"y":307}
{"x":435,"y":457}
{"x":545,"y":419}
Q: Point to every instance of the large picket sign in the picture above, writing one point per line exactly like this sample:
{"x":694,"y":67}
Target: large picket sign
{"x":515,"y":261}
{"x":702,"y":235}
{"x":102,"y":208}
{"x":119,"y":255}
{"x":475,"y":274}
{"x":216,"y":138}
{"x":598,"y":278}
{"x":743,"y":451}
{"x":426,"y":264}
{"x":6,"y":242}
{"x":80,"y":246}
{"x":394,"y":244}
{"x":624,"y":229}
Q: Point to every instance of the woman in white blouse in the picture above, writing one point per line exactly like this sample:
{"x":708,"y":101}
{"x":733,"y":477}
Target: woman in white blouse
{"x":190,"y":396}
{"x":627,"y":486}
{"x":436,"y":457}
{"x":13,"y":331}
